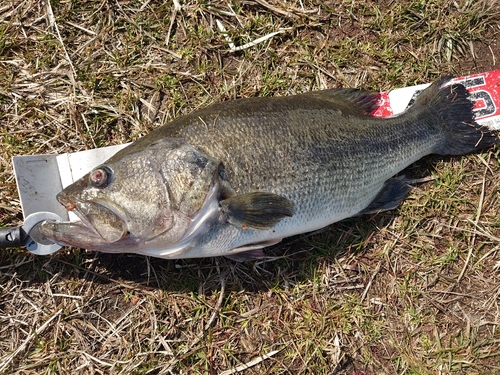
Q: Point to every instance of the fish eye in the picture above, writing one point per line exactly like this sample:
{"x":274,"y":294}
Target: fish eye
{"x":101,"y":177}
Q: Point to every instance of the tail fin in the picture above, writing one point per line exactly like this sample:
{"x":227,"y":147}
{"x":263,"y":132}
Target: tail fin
{"x":452,"y":111}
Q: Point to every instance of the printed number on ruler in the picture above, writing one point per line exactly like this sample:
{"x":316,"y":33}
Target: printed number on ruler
{"x":484,"y":103}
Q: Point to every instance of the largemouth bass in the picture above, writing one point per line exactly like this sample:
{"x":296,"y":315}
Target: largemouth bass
{"x":237,"y":176}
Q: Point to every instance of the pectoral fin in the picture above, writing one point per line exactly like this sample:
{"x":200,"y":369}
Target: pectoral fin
{"x":390,"y":196}
{"x":256,"y":210}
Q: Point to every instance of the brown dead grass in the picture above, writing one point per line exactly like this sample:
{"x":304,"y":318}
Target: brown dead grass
{"x":412,"y":291}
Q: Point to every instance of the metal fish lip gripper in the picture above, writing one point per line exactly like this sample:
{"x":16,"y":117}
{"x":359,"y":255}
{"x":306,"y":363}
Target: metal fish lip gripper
{"x":39,"y":179}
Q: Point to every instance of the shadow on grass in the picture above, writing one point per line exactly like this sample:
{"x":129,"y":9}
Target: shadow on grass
{"x":293,"y":261}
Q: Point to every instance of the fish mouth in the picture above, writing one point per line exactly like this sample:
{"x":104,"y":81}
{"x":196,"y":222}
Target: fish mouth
{"x":100,"y":223}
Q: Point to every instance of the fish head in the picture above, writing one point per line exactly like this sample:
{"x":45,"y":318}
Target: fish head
{"x":141,"y":198}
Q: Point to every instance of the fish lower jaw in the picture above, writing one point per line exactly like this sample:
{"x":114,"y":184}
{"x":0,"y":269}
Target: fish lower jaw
{"x":70,"y":233}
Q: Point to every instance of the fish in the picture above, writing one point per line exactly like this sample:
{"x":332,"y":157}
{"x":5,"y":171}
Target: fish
{"x":237,"y":176}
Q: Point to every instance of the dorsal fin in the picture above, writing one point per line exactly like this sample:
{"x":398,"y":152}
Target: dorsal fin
{"x":349,"y":101}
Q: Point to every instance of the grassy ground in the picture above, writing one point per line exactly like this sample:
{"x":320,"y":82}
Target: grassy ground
{"x":414,"y":291}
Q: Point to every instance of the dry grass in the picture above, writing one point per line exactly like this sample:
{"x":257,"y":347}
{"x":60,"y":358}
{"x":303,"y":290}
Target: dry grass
{"x":414,"y":291}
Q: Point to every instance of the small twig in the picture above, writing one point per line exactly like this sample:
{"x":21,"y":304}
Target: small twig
{"x":476,"y":222}
{"x":52,"y":20}
{"x":235,"y":48}
{"x":81,"y":28}
{"x":251,"y":363}
{"x":365,"y":293}
{"x":176,"y":8}
{"x":289,"y":13}
{"x":219,"y":302}
{"x":100,"y":361}
{"x":478,"y":230}
{"x":492,"y":55}
{"x":276,"y":10}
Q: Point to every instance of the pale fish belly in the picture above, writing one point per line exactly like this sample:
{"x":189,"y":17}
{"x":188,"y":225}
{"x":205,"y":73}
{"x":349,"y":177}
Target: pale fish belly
{"x":309,"y":216}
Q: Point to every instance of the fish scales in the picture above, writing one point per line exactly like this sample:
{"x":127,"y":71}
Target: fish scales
{"x":299,"y":154}
{"x":269,"y":151}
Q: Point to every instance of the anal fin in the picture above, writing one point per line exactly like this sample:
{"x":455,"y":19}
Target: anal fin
{"x":390,"y":196}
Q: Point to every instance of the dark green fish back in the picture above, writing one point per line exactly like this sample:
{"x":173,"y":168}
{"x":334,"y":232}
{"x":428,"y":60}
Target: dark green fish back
{"x":323,"y":142}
